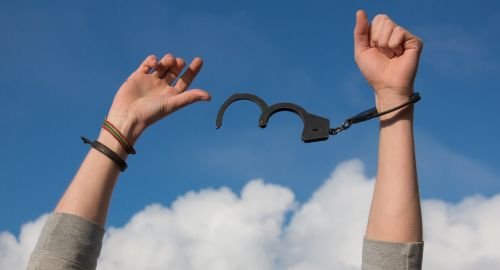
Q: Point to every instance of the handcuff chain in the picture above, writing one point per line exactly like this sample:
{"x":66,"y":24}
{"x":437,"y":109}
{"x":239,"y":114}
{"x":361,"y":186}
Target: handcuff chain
{"x":334,"y":131}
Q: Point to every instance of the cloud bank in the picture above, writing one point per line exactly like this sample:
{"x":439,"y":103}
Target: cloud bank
{"x":263,"y":228}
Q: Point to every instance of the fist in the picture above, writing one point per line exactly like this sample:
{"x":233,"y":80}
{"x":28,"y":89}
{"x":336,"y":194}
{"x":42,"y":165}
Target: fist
{"x":387,"y":55}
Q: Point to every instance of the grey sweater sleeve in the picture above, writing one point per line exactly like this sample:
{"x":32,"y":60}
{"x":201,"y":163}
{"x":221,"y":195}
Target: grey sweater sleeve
{"x":71,"y":242}
{"x":67,"y":242}
{"x":380,"y":255}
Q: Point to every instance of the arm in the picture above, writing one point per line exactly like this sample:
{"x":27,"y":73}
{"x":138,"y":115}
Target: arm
{"x":388,"y":56}
{"x":141,"y":101}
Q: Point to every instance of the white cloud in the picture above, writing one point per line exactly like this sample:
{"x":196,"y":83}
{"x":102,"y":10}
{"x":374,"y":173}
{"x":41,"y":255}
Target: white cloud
{"x":218,"y":229}
{"x":327,"y":231}
{"x":210,"y":229}
{"x":15,"y":252}
{"x":462,"y":236}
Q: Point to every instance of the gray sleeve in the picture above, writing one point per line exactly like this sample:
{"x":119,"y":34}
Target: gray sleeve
{"x":67,"y":242}
{"x":380,"y":255}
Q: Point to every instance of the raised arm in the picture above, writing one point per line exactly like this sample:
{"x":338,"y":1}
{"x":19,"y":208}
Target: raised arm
{"x":71,"y":238}
{"x":142,"y":100}
{"x":388,"y":57}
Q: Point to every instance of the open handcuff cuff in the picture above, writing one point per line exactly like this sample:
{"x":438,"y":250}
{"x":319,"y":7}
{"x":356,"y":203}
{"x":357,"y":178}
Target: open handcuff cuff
{"x":316,"y":128}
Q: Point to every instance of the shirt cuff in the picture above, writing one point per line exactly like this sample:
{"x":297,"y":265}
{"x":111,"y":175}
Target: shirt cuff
{"x":378,"y":255}
{"x":67,"y":240}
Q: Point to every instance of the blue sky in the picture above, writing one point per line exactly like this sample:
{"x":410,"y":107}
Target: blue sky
{"x":63,"y":61}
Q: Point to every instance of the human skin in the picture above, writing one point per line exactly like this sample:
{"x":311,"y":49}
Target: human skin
{"x":386,"y":54}
{"x":388,"y":57}
{"x":143,"y":99}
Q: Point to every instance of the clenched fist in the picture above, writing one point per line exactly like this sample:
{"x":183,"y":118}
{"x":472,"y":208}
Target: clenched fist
{"x":388,"y":56}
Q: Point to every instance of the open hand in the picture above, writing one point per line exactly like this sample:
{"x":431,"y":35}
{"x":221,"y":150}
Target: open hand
{"x":147,"y":97}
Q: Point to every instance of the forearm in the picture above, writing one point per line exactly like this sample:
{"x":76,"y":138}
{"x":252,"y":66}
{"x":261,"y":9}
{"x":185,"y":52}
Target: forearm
{"x":72,"y":237}
{"x":74,"y":241}
{"x":395,"y":213}
{"x":89,"y":194}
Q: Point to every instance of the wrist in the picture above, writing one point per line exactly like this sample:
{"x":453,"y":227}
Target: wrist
{"x":386,"y":99}
{"x":129,"y":127}
{"x":108,"y":140}
{"x":120,"y":134}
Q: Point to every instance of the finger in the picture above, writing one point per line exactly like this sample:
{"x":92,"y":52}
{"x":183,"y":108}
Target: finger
{"x":190,"y":97}
{"x":412,"y":42}
{"x":361,"y":32}
{"x":384,"y":35}
{"x":163,"y":65}
{"x":147,"y":64}
{"x":175,"y":70}
{"x":377,"y":23}
{"x":187,"y":78}
{"x":183,"y":99}
{"x":396,"y":41}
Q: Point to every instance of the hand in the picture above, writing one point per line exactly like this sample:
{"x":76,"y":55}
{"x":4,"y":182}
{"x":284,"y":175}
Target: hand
{"x":148,"y":97}
{"x":387,"y":56}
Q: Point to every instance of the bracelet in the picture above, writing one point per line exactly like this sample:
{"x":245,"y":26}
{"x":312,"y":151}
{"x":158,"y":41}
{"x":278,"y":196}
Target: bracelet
{"x":119,"y":137}
{"x":107,"y":152}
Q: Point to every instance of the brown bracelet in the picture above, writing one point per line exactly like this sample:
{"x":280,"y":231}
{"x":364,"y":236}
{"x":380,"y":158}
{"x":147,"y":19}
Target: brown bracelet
{"x":115,"y":132}
{"x":107,"y":152}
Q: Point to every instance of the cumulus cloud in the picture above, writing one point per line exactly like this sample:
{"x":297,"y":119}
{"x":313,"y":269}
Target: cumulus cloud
{"x":263,"y":227}
{"x":210,"y":229}
{"x":15,"y":252}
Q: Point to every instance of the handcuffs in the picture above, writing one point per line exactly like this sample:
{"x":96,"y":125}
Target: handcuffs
{"x":316,"y":128}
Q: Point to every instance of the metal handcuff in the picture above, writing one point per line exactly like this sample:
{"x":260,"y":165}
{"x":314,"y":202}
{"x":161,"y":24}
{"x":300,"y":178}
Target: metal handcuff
{"x":316,"y":128}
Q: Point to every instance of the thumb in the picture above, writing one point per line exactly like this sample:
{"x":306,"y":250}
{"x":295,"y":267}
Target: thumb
{"x":188,"y":97}
{"x":361,"y":32}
